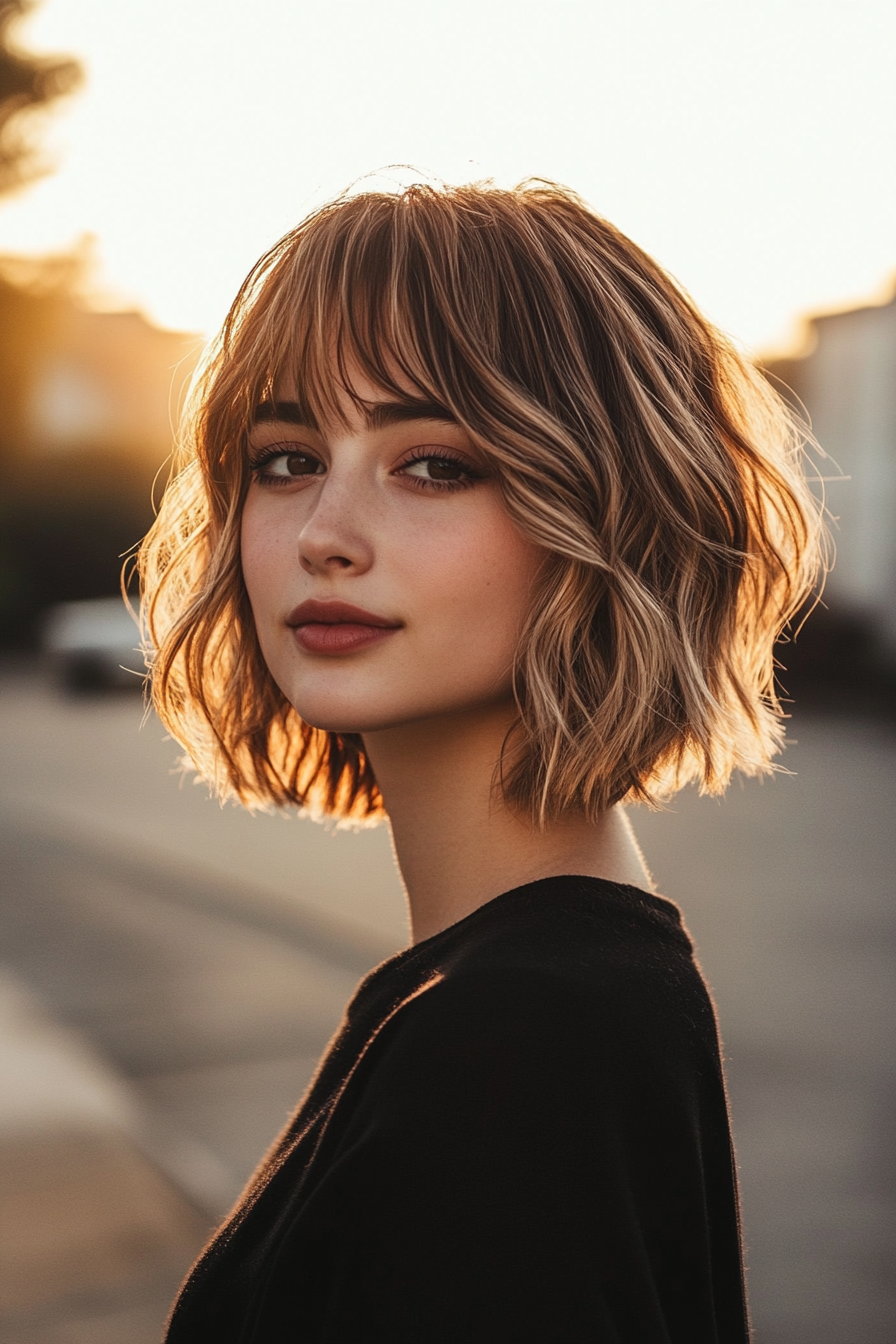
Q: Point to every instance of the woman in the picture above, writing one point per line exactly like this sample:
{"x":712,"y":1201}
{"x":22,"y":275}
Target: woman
{"x":484,"y":530}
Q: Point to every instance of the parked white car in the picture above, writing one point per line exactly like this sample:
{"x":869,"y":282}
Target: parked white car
{"x":94,"y":645}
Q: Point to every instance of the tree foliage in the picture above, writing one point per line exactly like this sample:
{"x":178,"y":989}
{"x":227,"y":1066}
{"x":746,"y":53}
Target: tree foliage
{"x":27,"y":84}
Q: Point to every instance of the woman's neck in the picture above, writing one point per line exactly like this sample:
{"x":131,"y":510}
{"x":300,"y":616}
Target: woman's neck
{"x":457,"y":844}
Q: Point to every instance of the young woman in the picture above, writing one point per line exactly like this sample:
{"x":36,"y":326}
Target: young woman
{"x":484,"y":530}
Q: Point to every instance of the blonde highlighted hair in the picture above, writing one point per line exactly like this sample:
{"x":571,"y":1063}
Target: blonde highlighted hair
{"x":656,"y":468}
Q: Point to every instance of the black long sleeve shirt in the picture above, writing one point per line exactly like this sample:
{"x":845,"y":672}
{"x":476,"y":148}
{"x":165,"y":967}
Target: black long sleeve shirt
{"x":520,"y":1133}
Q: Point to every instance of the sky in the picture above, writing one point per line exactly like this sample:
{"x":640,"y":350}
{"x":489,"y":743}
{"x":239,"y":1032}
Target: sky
{"x":750,"y":147}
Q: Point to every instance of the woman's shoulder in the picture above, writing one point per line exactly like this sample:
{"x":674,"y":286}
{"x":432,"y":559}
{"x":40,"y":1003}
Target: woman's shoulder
{"x":571,"y":905}
{"x":573,"y":935}
{"x":566,"y":963}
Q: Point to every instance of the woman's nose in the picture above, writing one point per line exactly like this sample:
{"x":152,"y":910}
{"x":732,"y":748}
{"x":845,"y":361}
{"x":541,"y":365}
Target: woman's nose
{"x":335,"y":538}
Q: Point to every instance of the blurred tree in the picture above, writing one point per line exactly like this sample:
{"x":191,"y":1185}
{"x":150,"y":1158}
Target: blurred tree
{"x":27,"y":84}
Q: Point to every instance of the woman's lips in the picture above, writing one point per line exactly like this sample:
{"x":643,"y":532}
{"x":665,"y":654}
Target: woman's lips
{"x":337,"y":627}
{"x":343,"y":637}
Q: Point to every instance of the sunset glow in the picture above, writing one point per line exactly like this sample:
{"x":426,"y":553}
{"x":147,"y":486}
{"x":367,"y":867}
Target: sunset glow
{"x":750,"y":147}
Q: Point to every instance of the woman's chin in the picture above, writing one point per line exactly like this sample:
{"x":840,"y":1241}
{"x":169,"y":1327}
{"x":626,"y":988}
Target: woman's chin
{"x":404,"y":707}
{"x":345,"y":719}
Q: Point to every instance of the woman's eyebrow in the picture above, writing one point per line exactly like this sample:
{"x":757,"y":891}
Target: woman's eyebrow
{"x":386,"y":413}
{"x":379,"y":415}
{"x":286,"y":412}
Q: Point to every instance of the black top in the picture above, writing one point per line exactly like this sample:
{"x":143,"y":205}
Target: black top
{"x":519,"y":1134}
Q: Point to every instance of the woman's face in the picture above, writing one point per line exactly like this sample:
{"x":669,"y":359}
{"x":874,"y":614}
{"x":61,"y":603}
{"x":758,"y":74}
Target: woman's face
{"x":387,"y":581}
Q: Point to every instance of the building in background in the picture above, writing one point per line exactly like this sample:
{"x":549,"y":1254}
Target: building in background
{"x":846,"y":382}
{"x":88,"y":406}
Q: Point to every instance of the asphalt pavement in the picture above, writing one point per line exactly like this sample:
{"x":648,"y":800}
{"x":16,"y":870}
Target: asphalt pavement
{"x":205,"y":956}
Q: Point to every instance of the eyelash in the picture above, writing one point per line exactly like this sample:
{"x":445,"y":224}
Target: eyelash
{"x":471,"y":476}
{"x":259,"y":461}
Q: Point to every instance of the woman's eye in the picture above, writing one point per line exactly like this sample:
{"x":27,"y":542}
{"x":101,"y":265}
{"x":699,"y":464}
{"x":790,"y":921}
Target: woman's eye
{"x":283,"y":466}
{"x":436,"y":469}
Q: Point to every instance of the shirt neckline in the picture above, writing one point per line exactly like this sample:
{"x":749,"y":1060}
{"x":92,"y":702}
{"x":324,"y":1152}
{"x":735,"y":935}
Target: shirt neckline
{"x":489,"y":907}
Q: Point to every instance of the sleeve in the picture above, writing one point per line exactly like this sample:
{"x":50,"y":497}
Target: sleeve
{"x":523,"y":1160}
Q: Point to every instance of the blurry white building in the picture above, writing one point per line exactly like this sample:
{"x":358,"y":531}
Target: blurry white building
{"x":847,"y":383}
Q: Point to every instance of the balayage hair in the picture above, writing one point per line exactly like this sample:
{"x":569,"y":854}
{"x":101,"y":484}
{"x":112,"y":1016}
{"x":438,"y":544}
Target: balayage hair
{"x":656,"y":468}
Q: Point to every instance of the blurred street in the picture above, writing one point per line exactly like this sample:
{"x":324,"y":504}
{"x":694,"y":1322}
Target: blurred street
{"x":203,"y":958}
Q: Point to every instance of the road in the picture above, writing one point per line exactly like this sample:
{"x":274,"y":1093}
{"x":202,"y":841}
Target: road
{"x":207,"y":955}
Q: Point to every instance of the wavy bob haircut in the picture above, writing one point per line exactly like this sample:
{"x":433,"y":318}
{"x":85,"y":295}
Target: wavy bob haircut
{"x":657,"y":470}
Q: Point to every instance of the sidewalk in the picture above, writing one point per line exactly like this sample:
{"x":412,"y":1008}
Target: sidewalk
{"x":94,"y":1235}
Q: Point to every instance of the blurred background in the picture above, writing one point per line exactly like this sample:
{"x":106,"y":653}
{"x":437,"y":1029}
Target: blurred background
{"x":170,"y":970}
